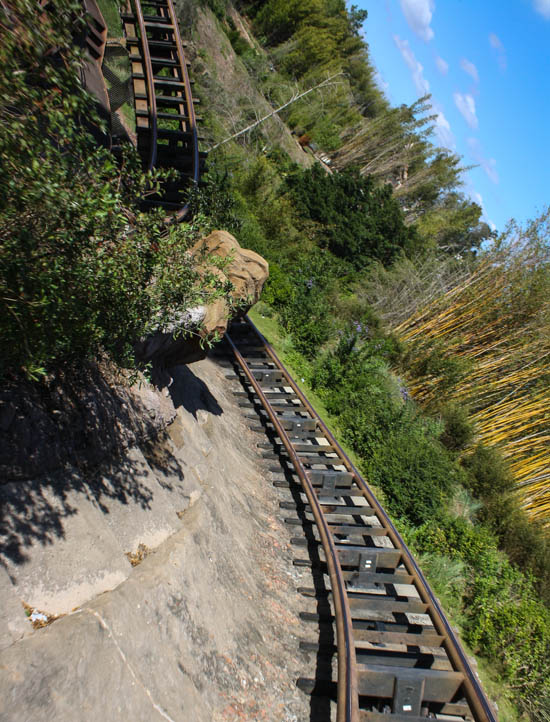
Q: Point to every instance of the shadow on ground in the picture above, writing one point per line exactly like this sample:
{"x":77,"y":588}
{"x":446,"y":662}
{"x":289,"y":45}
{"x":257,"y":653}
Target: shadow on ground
{"x":190,"y":392}
{"x":35,"y":511}
{"x":68,"y":437}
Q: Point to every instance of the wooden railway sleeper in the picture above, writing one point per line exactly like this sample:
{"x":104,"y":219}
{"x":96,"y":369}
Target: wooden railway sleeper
{"x":377,"y":578}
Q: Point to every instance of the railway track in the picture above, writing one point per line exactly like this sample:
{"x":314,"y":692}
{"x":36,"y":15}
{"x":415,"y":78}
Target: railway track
{"x":166,"y":124}
{"x":396,"y":657}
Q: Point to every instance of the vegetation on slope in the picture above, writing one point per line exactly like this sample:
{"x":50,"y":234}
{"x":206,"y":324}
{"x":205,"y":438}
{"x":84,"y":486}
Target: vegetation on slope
{"x":81,"y":269}
{"x":74,"y":280}
{"x":350,"y":254}
{"x":493,"y":327}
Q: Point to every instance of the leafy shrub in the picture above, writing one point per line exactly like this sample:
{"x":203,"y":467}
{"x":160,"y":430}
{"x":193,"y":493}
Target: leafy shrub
{"x":502,"y":606}
{"x":278,"y":288}
{"x":526,"y":542}
{"x":218,"y":7}
{"x":447,"y":369}
{"x":239,"y":44}
{"x":306,"y":315}
{"x":359,"y":221}
{"x":448,"y":579}
{"x":489,"y":474}
{"x":414,"y":471}
{"x":456,"y":538}
{"x":400,"y":450}
{"x":74,"y":277}
{"x":499,"y":603}
{"x":327,"y":134}
{"x":459,"y":429}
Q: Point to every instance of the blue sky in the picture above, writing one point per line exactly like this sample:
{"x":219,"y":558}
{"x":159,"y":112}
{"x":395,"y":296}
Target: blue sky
{"x":487,"y":65}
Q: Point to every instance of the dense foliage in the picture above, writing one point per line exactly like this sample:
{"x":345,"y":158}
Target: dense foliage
{"x":492,"y":325}
{"x":358,"y":220}
{"x":335,"y":271}
{"x":80,"y":267}
{"x":417,"y":463}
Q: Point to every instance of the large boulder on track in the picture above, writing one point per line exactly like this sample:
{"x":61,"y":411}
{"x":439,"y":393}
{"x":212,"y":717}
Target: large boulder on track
{"x":246,"y":270}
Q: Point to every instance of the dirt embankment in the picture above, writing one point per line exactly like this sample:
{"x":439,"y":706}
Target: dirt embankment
{"x":229,"y":89}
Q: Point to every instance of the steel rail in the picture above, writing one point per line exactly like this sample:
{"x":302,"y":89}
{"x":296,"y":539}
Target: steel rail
{"x":348,"y":698}
{"x":181,"y":214}
{"x":187,"y":118}
{"x":149,"y":84}
{"x":475,"y":695}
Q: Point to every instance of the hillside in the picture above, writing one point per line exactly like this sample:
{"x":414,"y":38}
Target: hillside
{"x":356,"y":268}
{"x":422,"y":333}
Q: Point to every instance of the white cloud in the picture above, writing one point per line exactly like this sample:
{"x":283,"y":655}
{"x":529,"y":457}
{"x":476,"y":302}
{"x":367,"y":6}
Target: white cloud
{"x":541,"y":6}
{"x":468,"y":67}
{"x":478,"y":198}
{"x":443,"y":129}
{"x":489,"y":165}
{"x":379,"y":80}
{"x":496,"y":43}
{"x":442,"y":66}
{"x":418,"y":14}
{"x":416,"y":68}
{"x":467,"y":107}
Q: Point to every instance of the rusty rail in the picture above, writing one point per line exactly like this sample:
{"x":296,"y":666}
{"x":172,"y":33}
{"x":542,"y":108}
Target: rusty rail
{"x":457,"y":692}
{"x":189,"y":107}
{"x":166,"y":123}
{"x":149,"y":85}
{"x":348,"y":709}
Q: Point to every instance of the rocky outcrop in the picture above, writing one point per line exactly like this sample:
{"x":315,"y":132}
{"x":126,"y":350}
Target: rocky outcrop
{"x":186,"y":339}
{"x":246,"y":270}
{"x":190,"y":634}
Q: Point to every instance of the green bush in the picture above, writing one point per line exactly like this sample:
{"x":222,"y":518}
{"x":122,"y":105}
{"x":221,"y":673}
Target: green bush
{"x":306,"y":314}
{"x":400,"y":450}
{"x":526,"y":543}
{"x":459,"y":429}
{"x":509,"y":625}
{"x":218,"y":7}
{"x":448,"y":578}
{"x":359,"y":221}
{"x":447,"y":370}
{"x":74,"y":275}
{"x":456,"y":538}
{"x":489,"y":474}
{"x":499,"y":603}
{"x":414,"y":471}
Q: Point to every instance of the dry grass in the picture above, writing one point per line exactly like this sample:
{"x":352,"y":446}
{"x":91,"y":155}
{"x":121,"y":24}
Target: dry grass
{"x":139,"y":555}
{"x":497,"y":319}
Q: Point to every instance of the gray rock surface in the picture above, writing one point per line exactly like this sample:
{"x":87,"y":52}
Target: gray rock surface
{"x":205,"y":628}
{"x":75,"y":419}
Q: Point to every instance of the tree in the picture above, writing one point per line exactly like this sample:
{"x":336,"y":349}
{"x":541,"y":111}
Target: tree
{"x":454,"y":225}
{"x":80,"y":267}
{"x":358,"y":220}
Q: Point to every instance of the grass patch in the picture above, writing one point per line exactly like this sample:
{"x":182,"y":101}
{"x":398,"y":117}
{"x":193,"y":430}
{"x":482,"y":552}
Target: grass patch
{"x":111,"y":14}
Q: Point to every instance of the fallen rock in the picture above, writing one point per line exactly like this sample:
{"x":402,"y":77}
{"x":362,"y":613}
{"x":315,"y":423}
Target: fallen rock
{"x":246,"y":270}
{"x":186,"y":339}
